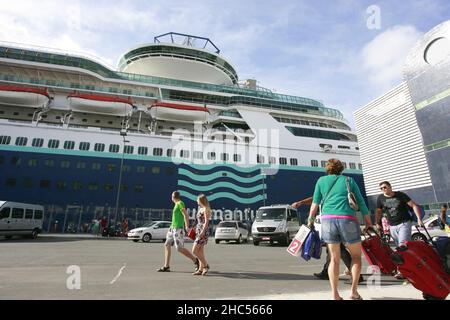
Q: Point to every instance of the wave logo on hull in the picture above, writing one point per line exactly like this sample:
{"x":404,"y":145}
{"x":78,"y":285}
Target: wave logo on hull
{"x":242,"y":185}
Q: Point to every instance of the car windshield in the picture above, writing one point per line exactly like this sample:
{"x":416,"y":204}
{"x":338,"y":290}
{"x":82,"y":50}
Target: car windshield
{"x":148,"y":224}
{"x":271,"y":214}
{"x":227,"y":225}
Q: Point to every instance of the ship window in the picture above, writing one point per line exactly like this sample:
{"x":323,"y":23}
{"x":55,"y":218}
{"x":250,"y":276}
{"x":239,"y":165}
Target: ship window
{"x":283,"y":161}
{"x":61,"y":185}
{"x":97,"y":121}
{"x":84,"y":146}
{"x":38,"y":214}
{"x":184,"y":153}
{"x":10,"y":182}
{"x":96,"y":166}
{"x":128,"y":149}
{"x":143,"y":150}
{"x":237,"y":157}
{"x":126,"y":91}
{"x":77,"y":185}
{"x":294,"y":162}
{"x":49,"y":163}
{"x":21,"y":141}
{"x":323,"y":163}
{"x":259,"y":158}
{"x":99,"y":147}
{"x":75,"y":85}
{"x":69,"y":145}
{"x":272,"y":160}
{"x":110,"y":122}
{"x":113,"y":90}
{"x":139,"y":188}
{"x":344,"y":164}
{"x":198,"y":155}
{"x":5,"y":139}
{"x":114,"y":148}
{"x":15,"y":114}
{"x":28,"y":214}
{"x":171,"y":153}
{"x":17,"y":213}
{"x":140,"y":169}
{"x":84,"y":120}
{"x":170,"y":171}
{"x":356,"y":148}
{"x":352,"y":165}
{"x":124,"y":187}
{"x":111,"y":167}
{"x":157,"y":152}
{"x":359,"y":166}
{"x":314,"y":163}
{"x":211,"y":155}
{"x":156,"y":170}
{"x":37,"y":142}
{"x":16,"y":161}
{"x":344,"y":147}
{"x":32,"y":163}
{"x":81,"y":165}
{"x":126,"y":168}
{"x":45,"y":184}
{"x":28,"y":183}
{"x":108,"y":187}
{"x":53,"y":144}
{"x":93,"y":186}
{"x":224,"y":156}
{"x":65,"y":164}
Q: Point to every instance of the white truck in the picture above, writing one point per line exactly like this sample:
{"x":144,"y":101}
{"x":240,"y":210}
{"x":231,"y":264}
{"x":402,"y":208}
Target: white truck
{"x":20,"y":219}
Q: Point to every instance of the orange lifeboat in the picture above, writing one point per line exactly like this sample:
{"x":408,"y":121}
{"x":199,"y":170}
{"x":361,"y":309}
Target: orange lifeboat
{"x":93,"y":103}
{"x":178,"y":112}
{"x":24,"y":96}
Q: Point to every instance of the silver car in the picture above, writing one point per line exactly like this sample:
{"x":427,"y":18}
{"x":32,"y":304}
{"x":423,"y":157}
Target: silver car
{"x":231,"y":231}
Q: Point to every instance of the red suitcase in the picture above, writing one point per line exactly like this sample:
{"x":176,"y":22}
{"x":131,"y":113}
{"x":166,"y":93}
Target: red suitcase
{"x":378,"y":253}
{"x":421,"y":264}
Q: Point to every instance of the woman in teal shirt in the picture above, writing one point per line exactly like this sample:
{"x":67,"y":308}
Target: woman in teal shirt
{"x":339,"y":223}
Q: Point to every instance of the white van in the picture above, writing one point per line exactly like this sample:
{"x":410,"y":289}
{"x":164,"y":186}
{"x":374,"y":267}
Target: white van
{"x":20,"y":219}
{"x":278,"y":223}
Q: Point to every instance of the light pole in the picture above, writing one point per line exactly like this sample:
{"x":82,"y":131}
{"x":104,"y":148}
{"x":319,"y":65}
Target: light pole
{"x":123,"y":133}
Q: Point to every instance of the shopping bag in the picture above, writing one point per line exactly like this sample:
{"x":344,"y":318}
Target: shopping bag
{"x":297,"y":242}
{"x":312,"y":246}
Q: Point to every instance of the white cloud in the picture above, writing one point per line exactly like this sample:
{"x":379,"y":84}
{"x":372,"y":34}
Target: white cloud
{"x":383,"y":58}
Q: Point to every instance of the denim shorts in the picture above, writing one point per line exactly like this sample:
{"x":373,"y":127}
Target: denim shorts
{"x":337,"y":230}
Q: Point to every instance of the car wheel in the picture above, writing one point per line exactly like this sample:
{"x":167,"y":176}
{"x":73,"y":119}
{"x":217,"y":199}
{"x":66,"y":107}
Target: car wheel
{"x":34,"y":234}
{"x":255,"y":243}
{"x":147,"y":237}
{"x":217,"y":241}
{"x":135,"y":240}
{"x":239,"y":240}
{"x":418,"y":237}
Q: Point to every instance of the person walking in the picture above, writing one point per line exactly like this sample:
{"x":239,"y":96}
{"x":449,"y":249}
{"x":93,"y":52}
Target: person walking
{"x":202,"y":233}
{"x":339,"y":223}
{"x":175,"y":234}
{"x":443,"y":217}
{"x":345,"y":255}
{"x":395,"y":205}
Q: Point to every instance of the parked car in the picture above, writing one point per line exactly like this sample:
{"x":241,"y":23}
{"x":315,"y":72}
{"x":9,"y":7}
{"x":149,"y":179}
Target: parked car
{"x":21,"y":219}
{"x":231,"y":231}
{"x":433,"y":228}
{"x":278,"y":223}
{"x":155,"y":230}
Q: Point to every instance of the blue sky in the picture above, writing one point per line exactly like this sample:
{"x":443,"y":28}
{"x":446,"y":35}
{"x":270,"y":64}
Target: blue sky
{"x":317,"y":49}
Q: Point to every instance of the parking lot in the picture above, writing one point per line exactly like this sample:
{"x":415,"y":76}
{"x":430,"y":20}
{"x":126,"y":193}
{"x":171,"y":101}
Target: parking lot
{"x":122,"y":269}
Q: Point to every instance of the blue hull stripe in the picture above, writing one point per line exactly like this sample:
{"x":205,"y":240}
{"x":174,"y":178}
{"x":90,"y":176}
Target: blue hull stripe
{"x":221,"y":185}
{"x":224,"y":195}
{"x":218,"y":175}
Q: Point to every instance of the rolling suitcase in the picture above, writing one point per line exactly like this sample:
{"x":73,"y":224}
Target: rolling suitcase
{"x":421,"y":264}
{"x":378,"y":253}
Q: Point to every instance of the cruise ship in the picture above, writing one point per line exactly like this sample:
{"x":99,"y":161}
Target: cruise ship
{"x":87,"y":140}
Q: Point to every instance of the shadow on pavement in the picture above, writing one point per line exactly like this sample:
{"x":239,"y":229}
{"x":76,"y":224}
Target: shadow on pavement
{"x":52,"y":238}
{"x":260,"y":275}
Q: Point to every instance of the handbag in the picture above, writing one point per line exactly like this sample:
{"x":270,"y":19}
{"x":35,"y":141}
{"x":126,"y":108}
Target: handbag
{"x":192,"y":234}
{"x":312,"y":247}
{"x":351,"y":197}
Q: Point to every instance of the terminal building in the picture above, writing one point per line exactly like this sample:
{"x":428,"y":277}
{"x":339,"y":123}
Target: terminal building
{"x":404,"y":135}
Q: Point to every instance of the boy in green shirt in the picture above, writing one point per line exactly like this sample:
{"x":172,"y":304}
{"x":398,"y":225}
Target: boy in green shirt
{"x":176,"y":233}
